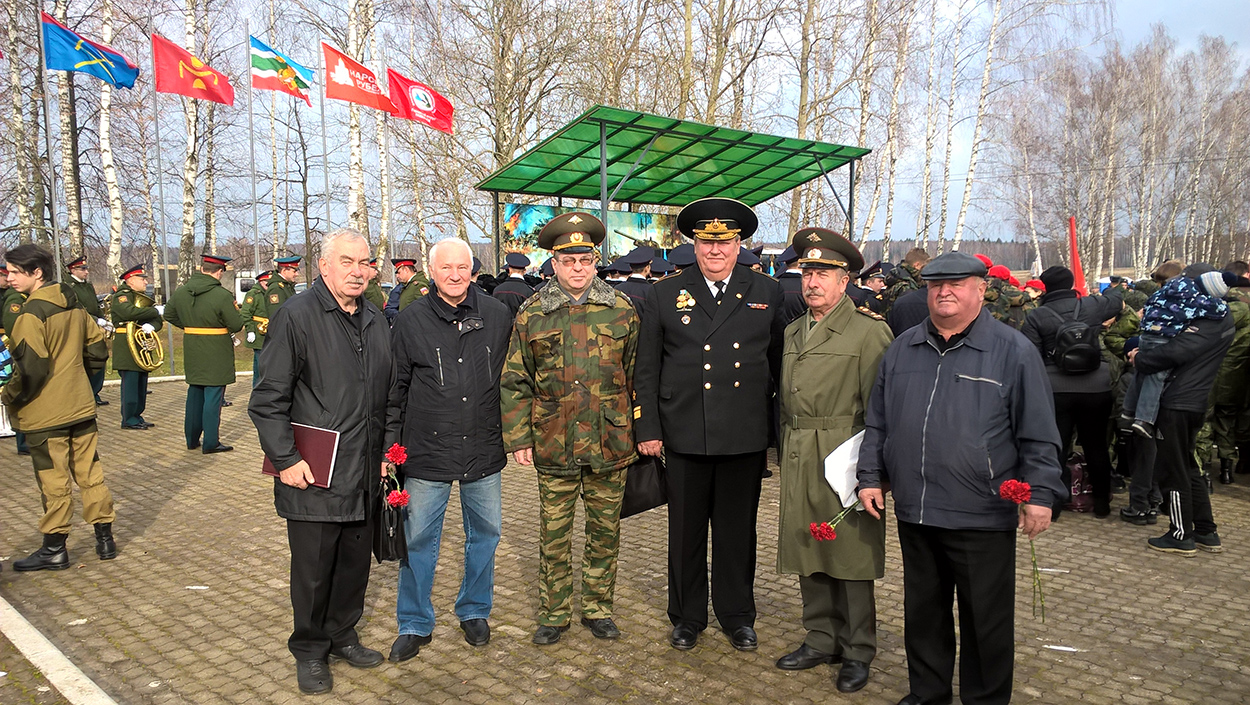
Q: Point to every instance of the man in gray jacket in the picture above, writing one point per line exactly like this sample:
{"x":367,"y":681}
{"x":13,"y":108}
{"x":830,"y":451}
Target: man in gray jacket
{"x":960,"y":405}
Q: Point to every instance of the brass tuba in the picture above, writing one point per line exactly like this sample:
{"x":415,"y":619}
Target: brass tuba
{"x":145,"y":347}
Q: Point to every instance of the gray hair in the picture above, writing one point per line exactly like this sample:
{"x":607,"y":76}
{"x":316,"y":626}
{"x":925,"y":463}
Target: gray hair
{"x":330,"y":243}
{"x":443,"y":244}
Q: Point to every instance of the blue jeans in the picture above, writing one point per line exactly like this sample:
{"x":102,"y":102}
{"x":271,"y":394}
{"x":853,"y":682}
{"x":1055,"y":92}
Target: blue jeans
{"x":1142,"y":398}
{"x":481,"y":505}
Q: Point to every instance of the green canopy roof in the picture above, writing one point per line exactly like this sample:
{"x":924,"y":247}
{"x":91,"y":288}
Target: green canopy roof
{"x":664,"y":161}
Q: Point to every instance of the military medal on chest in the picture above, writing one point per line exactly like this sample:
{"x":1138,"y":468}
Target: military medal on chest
{"x":685,"y":301}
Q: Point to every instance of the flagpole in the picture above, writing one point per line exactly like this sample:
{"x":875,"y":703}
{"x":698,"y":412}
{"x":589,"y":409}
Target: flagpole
{"x":325,"y":159}
{"x":251,"y":141}
{"x":160,"y":194}
{"x":47,"y":134}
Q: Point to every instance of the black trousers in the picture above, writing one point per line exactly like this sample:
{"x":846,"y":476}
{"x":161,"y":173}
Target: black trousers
{"x":329,"y":574}
{"x":1189,"y":506}
{"x":724,"y":489}
{"x":979,"y":567}
{"x":1086,"y":414}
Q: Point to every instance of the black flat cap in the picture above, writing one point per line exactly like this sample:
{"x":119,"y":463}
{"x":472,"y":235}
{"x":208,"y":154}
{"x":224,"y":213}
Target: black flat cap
{"x":639,"y":255}
{"x":682,"y":255}
{"x":660,"y":266}
{"x":516,"y":259}
{"x":788,"y":255}
{"x":747,"y":258}
{"x":953,"y":265}
{"x":547,"y":269}
{"x":619,"y":266}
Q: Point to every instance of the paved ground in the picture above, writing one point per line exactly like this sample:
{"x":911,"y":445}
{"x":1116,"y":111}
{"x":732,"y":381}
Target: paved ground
{"x":195,"y":609}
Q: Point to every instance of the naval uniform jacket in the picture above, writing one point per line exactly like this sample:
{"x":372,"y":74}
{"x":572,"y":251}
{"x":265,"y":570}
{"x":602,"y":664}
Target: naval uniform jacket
{"x":705,"y":375}
{"x":635,"y":289}
{"x":513,"y":291}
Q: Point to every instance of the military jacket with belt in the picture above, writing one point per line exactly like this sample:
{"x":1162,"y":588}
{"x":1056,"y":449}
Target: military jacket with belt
{"x":205,"y":312}
{"x":705,"y":374}
{"x":255,"y":313}
{"x":122,"y":310}
{"x":827,"y":372}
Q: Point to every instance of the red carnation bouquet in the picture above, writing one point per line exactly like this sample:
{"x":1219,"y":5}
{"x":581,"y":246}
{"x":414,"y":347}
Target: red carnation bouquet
{"x":825,"y":530}
{"x":396,"y":455}
{"x":1019,"y":493}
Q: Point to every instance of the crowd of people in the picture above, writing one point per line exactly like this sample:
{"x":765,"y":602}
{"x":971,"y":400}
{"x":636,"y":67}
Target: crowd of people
{"x":948,"y":377}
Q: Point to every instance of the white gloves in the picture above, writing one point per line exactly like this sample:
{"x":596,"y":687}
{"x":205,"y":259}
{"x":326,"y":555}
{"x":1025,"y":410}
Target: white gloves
{"x":251,"y":336}
{"x":160,"y":308}
{"x":148,"y":328}
{"x":102,"y":323}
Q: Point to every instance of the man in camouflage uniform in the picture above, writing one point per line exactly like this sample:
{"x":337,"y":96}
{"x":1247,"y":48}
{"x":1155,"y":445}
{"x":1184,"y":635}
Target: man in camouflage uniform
{"x":85,"y":291}
{"x":124,"y":308}
{"x":255,"y":313}
{"x":903,"y":278}
{"x":1005,"y":302}
{"x":566,"y":395}
{"x":373,"y":290}
{"x":1228,"y":394}
{"x":12,"y":306}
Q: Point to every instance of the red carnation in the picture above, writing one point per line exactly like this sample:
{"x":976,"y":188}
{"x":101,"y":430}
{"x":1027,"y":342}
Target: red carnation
{"x":397,"y":455}
{"x":1015,"y":491}
{"x":397,"y":498}
{"x":823,"y":531}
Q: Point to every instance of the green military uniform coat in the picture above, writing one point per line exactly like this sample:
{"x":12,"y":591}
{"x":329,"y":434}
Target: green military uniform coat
{"x":278,"y":292}
{"x":122,"y":310}
{"x":827,"y":373}
{"x":86,"y":296}
{"x":255,"y":306}
{"x":13,"y":300}
{"x":204,"y":303}
{"x":374,"y":295}
{"x":416,"y":287}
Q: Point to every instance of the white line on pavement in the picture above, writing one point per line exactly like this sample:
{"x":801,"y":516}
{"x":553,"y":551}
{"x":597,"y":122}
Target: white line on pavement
{"x":67,"y":678}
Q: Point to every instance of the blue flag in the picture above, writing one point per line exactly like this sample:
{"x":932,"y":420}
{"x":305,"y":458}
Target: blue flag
{"x":65,"y":50}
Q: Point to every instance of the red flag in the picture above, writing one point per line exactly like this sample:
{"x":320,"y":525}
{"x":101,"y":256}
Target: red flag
{"x":348,"y":79}
{"x":416,"y":101}
{"x":177,"y":71}
{"x":1078,"y":273}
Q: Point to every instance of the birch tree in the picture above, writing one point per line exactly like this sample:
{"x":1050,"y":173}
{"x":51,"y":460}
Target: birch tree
{"x":116,"y":208}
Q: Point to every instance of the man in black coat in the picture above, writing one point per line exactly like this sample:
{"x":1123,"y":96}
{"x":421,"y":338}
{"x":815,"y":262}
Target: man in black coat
{"x":449,"y":351}
{"x":635,"y":288}
{"x":513,"y":291}
{"x":790,"y":280}
{"x":327,"y":361}
{"x":708,"y":357}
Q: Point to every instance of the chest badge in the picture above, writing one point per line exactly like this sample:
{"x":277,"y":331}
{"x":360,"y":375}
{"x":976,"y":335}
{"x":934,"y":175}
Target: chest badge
{"x":685,"y":320}
{"x":273,"y":298}
{"x":685,"y":301}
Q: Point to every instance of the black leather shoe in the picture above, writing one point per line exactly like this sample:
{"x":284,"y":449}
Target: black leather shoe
{"x":803,"y":658}
{"x":603,"y":628}
{"x":193,"y":446}
{"x":105,"y":546}
{"x":911,"y":700}
{"x":407,"y":646}
{"x":357,"y":656}
{"x":743,"y":638}
{"x":684,"y":637}
{"x":1135,"y":517}
{"x":100,"y":402}
{"x":476,"y":631}
{"x":314,"y":676}
{"x":548,"y":635}
{"x":853,"y":676}
{"x":227,"y":403}
{"x":149,"y":424}
{"x":134,"y":427}
{"x":219,"y":448}
{"x":51,"y":556}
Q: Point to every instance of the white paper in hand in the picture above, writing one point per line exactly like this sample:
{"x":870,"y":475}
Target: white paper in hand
{"x":840,"y":467}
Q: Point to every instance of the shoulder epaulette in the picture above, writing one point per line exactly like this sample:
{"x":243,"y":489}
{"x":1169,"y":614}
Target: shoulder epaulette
{"x":870,"y":313}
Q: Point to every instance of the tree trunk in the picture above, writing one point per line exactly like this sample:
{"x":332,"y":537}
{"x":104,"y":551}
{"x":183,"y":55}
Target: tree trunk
{"x":116,"y":211}
{"x":357,"y":205}
{"x":892,"y":123}
{"x":210,"y":181}
{"x":687,"y":61}
{"x":17,"y":128}
{"x":951,"y":96}
{"x":190,"y":165}
{"x":805,"y":63}
{"x":69,"y":151}
{"x":982,"y":102}
{"x":274,"y":178}
{"x":384,"y":167}
{"x":930,"y":136}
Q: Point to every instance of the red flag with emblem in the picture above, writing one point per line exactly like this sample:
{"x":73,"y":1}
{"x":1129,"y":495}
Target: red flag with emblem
{"x":348,"y":79}
{"x":416,"y":101}
{"x":177,"y":71}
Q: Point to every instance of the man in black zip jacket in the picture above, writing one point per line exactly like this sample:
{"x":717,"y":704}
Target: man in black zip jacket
{"x":961,"y":404}
{"x":1193,"y":357}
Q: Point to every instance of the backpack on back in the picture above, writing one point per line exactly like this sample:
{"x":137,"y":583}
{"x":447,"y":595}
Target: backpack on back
{"x":1076,"y":350}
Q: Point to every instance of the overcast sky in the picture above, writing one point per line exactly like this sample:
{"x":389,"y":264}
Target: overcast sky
{"x":1185,"y":20}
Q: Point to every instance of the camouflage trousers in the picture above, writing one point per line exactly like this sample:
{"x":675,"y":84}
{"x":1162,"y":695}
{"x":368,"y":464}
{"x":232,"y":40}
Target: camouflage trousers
{"x":601,"y":495}
{"x":63,"y":455}
{"x":1225,"y":429}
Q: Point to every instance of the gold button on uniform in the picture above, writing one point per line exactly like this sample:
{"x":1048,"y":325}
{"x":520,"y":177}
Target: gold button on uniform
{"x":707,"y":347}
{"x":735,"y":384}
{"x":707,"y":385}
{"x":737,"y":364}
{"x":735,"y":346}
{"x":707,"y":365}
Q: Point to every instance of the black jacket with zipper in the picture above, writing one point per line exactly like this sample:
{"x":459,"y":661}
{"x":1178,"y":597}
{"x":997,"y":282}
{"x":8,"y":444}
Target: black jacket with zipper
{"x":444,"y":408}
{"x":1193,"y":358}
{"x":327,"y":369}
{"x":1042,"y":325}
{"x":946,"y":429}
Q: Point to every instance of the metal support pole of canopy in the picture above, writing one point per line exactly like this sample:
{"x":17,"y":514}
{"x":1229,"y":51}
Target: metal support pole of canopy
{"x":850,"y":202}
{"x":603,"y":177}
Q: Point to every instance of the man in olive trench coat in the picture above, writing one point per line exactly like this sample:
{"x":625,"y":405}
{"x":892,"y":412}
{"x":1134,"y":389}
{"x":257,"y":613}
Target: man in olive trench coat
{"x":829,"y":365}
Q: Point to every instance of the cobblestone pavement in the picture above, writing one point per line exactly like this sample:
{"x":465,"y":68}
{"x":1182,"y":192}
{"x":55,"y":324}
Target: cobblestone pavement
{"x":196,"y":610}
{"x":20,"y":682}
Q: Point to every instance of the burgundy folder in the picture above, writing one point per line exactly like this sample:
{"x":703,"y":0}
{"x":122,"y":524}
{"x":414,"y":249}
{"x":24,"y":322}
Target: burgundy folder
{"x":318,"y":446}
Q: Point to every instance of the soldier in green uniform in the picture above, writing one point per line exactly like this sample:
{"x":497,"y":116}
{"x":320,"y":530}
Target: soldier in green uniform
{"x":417,"y":286}
{"x":131,"y":304}
{"x":373,"y":290}
{"x":1232,"y":382}
{"x":12,"y":305}
{"x":1004,"y":301}
{"x":78,"y":273}
{"x":903,"y":278}
{"x":255,"y":313}
{"x":282,"y":287}
{"x":565,"y":403}
{"x":205,"y":312}
{"x":828,"y":368}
